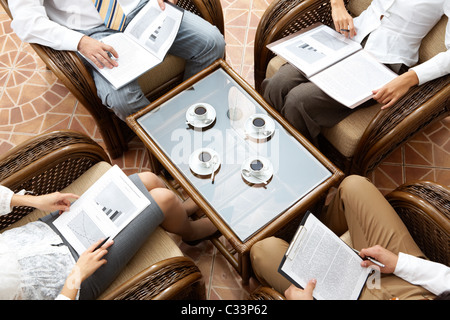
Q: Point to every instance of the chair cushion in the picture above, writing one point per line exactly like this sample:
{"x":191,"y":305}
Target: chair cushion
{"x":159,"y":246}
{"x":274,"y":64}
{"x":357,"y":6}
{"x":162,"y":73}
{"x":434,"y":42}
{"x":345,"y":135}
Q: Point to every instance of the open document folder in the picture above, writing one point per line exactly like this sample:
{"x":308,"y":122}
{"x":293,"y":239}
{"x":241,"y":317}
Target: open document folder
{"x":337,"y":65}
{"x":102,"y":211}
{"x":317,"y":253}
{"x":144,"y":43}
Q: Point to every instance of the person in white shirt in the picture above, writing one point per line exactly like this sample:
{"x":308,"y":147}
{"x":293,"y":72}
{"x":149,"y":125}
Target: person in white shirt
{"x":78,"y":26}
{"x":391,"y":30}
{"x":376,"y":231}
{"x":37,"y":263}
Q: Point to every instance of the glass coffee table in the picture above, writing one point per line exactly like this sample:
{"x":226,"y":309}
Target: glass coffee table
{"x":249,"y":171}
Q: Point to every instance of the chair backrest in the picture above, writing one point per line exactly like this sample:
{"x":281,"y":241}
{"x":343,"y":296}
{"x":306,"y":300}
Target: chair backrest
{"x":358,"y":6}
{"x":432,"y":44}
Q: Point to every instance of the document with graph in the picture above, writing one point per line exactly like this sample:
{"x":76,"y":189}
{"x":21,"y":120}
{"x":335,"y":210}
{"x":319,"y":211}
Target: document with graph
{"x":102,"y":211}
{"x":143,"y":44}
{"x":338,"y":65}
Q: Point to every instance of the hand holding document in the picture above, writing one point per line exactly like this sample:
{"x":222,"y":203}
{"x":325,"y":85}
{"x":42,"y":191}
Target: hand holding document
{"x":335,"y":63}
{"x":143,"y":44}
{"x":102,"y":211}
{"x":317,"y":253}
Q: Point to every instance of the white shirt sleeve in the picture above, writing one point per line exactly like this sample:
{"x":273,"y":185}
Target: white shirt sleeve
{"x":5,"y":200}
{"x":32,"y":25}
{"x":432,"y":276}
{"x":439,"y":65}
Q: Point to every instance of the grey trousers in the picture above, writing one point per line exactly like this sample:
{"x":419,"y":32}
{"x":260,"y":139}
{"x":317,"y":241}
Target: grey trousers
{"x":198,"y":42}
{"x":304,"y":105}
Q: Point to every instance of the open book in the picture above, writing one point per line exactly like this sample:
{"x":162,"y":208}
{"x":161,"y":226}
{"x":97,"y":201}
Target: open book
{"x":102,"y":211}
{"x":143,"y":44}
{"x":336,"y":64}
{"x":316,"y":252}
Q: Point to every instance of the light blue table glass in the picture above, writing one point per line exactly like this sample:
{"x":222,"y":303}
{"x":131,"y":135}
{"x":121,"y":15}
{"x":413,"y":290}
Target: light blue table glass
{"x":245,"y":207}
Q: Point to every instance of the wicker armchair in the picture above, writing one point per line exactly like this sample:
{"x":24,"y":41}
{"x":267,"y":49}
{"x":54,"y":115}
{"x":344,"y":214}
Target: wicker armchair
{"x":69,"y":161}
{"x":424,"y":208}
{"x":69,"y":68}
{"x":361,"y":141}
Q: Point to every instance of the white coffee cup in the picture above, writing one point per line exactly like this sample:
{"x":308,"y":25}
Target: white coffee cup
{"x":200,"y":112}
{"x":257,"y":167}
{"x":206,"y":159}
{"x":258,"y":124}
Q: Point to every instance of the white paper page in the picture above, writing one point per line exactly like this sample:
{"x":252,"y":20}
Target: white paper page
{"x":133,"y":60}
{"x":352,"y":80}
{"x":315,"y":49}
{"x":321,"y":255}
{"x":102,"y":211}
{"x":155,"y":29}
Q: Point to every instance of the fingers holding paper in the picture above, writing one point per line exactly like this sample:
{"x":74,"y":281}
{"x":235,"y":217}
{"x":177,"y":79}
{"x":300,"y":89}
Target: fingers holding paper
{"x":294,"y":293}
{"x":101,"y":54}
{"x":394,"y":90}
{"x":162,"y":4}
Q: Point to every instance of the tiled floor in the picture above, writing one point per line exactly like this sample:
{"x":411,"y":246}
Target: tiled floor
{"x":33,"y":101}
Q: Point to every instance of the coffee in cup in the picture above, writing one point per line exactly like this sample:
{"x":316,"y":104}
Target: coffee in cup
{"x":258,"y":123}
{"x":257,"y":167}
{"x":205,"y":158}
{"x":200,"y":111}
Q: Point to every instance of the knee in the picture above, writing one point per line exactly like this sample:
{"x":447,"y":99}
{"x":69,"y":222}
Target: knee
{"x":125,"y":101}
{"x":219,"y":44}
{"x":295,"y":111}
{"x":267,"y":253}
{"x":215,"y":43}
{"x":257,"y":253}
{"x":300,"y":100}
{"x":165,"y":199}
{"x":151,"y":180}
{"x":271,"y":89}
{"x":353,"y":184}
{"x":277,"y":85}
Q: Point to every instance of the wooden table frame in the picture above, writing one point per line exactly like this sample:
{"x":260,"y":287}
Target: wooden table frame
{"x":242,"y":262}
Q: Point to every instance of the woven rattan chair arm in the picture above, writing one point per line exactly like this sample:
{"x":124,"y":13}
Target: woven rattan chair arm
{"x":210,"y":10}
{"x":266,"y":293}
{"x":47,"y":163}
{"x":393,"y":126}
{"x":173,"y":278}
{"x":424,"y":207}
{"x":282,"y":18}
{"x":69,"y":68}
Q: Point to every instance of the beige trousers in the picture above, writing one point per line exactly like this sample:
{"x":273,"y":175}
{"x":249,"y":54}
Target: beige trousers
{"x":360,"y":208}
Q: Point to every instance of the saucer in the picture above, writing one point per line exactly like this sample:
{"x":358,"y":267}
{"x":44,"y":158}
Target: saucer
{"x":196,"y":165}
{"x":263,"y":134}
{"x":257,"y":179}
{"x":192,"y":119}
